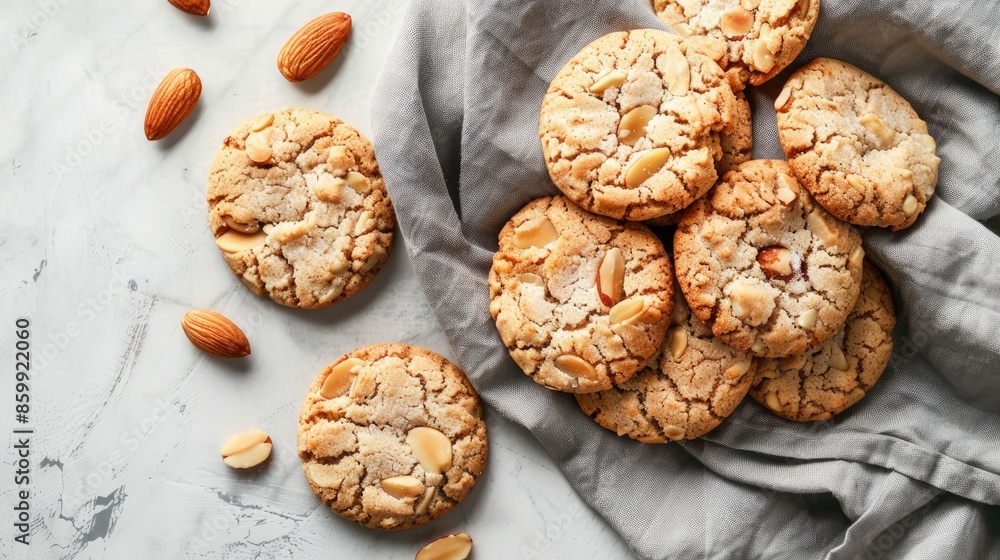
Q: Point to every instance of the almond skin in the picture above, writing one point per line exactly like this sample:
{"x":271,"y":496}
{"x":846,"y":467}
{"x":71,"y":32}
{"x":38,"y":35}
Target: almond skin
{"x":172,"y":102}
{"x":193,"y":7}
{"x":213,"y":333}
{"x":313,"y":47}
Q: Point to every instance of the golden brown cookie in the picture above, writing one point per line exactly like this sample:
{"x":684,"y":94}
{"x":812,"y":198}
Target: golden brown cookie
{"x":753,"y":40}
{"x":580,"y":301}
{"x":764,"y":266}
{"x":696,"y":383}
{"x":828,"y":380}
{"x":298,"y":206}
{"x":629,"y":126}
{"x":392,"y":436}
{"x":857,"y":145}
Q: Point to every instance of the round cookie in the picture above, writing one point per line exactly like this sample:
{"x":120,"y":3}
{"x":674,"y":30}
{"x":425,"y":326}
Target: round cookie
{"x":860,"y":148}
{"x":628,"y":125}
{"x":298,"y":206}
{"x":580,"y":301}
{"x":752,"y":40}
{"x":392,"y":436}
{"x":736,"y":148}
{"x":828,"y":380}
{"x":769,"y":270}
{"x":695,"y":384}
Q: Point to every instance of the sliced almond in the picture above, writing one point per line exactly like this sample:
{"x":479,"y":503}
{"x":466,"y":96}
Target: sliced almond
{"x":359,"y":182}
{"x":740,"y":368}
{"x":676,"y":71}
{"x":243,"y":441}
{"x":402,"y":486}
{"x":786,"y":181}
{"x":431,"y":448}
{"x":785,"y":195}
{"x":712,"y":47}
{"x":262,"y":122}
{"x":803,"y":8}
{"x":365,"y":223}
{"x":257,"y":148}
{"x":783,"y":97}
{"x":231,"y":223}
{"x":763,"y":58}
{"x":452,"y":547}
{"x":425,"y":500}
{"x":611,"y":277}
{"x":678,"y":342}
{"x":633,"y":125}
{"x":529,"y":278}
{"x":675,"y":433}
{"x":576,"y":366}
{"x":327,"y":188}
{"x":808,"y":319}
{"x":340,"y":159}
{"x":536,"y":232}
{"x":627,"y":310}
{"x":823,"y":227}
{"x":614,"y":78}
{"x":910,"y":205}
{"x":837,"y":358}
{"x":857,"y":256}
{"x":736,"y":22}
{"x":773,"y":403}
{"x":749,"y":4}
{"x":247,"y":450}
{"x":340,"y":378}
{"x":646,"y":166}
{"x":859,"y":183}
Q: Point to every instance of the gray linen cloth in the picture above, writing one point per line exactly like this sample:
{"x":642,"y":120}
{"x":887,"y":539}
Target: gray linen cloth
{"x":913,"y":470}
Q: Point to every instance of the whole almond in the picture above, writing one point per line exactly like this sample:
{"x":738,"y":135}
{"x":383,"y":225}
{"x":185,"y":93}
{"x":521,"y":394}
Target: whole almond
{"x":213,"y":333}
{"x":193,"y":7}
{"x":172,"y":102}
{"x":313,"y":47}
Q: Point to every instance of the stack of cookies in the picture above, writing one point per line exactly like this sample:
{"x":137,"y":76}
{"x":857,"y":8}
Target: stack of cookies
{"x":772,"y":294}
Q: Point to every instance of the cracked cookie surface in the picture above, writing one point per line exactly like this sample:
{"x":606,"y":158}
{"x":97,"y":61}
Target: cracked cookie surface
{"x":581,"y":301}
{"x":310,"y":223}
{"x":769,"y":270}
{"x":357,"y":444}
{"x":628,"y":127}
{"x":696,"y":383}
{"x":753,"y":40}
{"x":736,"y":146}
{"x":828,"y":380}
{"x":857,"y":145}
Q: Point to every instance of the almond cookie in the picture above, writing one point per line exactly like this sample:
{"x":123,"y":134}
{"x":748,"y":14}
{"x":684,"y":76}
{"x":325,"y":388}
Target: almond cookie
{"x":628,"y":127}
{"x":298,"y":206}
{"x":859,"y":147}
{"x":736,"y":146}
{"x":580,"y":301}
{"x":828,"y":380}
{"x":769,"y":270}
{"x":696,"y":383}
{"x":753,"y":40}
{"x":392,"y":436}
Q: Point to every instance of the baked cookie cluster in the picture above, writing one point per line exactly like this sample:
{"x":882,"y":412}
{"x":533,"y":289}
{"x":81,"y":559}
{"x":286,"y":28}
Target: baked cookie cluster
{"x":770,"y":292}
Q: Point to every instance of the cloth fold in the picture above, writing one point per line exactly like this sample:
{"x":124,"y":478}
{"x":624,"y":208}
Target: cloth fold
{"x":913,"y":470}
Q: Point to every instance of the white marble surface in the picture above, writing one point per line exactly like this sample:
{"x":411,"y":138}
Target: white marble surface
{"x":104,"y":246}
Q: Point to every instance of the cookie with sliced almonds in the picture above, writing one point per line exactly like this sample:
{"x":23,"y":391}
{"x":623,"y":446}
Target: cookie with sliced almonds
{"x":752,"y":40}
{"x":860,"y":149}
{"x":392,"y":436}
{"x":581,"y":301}
{"x":299,"y":209}
{"x":695,"y":384}
{"x":769,"y":270}
{"x":630,"y":126}
{"x":828,"y":380}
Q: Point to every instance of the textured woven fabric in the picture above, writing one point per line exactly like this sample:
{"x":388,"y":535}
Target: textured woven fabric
{"x":913,"y":470}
